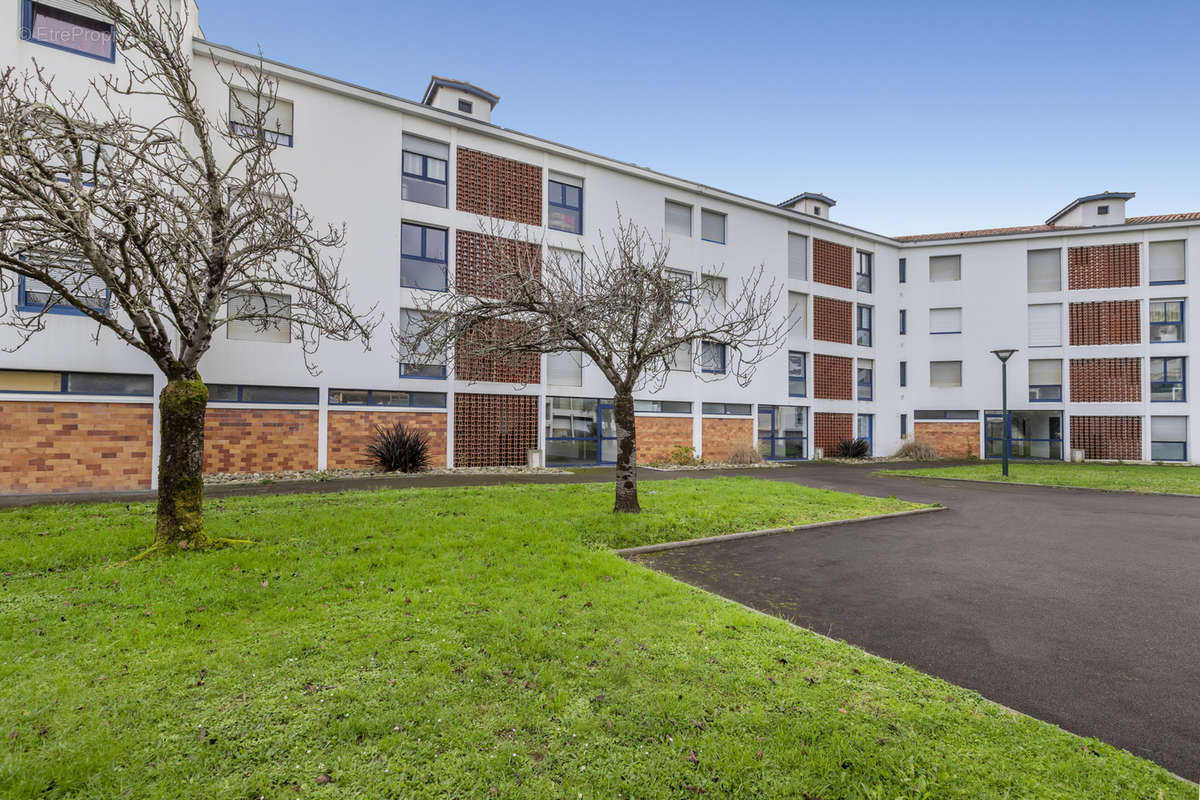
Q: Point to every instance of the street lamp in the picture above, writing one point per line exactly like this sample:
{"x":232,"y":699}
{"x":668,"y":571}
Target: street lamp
{"x":1004,"y":356}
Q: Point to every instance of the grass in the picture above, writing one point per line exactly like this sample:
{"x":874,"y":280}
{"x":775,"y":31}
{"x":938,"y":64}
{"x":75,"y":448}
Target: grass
{"x":1146,"y":478}
{"x":473,"y":643}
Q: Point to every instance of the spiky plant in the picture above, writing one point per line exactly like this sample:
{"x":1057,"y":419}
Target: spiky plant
{"x":853,"y":448}
{"x":397,"y":449}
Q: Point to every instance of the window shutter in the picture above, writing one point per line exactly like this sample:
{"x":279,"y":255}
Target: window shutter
{"x":945,"y":268}
{"x":1167,"y":262}
{"x":1045,"y":325}
{"x":797,"y":257}
{"x":797,"y":319}
{"x":679,"y":218}
{"x":1045,"y":372}
{"x":1168,"y":429}
{"x":945,"y":320}
{"x":712,"y":226}
{"x":1044,"y":270}
{"x":277,"y":120}
{"x":74,"y":7}
{"x":565,"y":368}
{"x":415,"y":144}
{"x":945,"y":374}
{"x":276,"y":306}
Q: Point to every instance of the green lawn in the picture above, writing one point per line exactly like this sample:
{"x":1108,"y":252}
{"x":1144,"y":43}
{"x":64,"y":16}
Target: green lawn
{"x":1117,"y":477}
{"x":473,"y":643}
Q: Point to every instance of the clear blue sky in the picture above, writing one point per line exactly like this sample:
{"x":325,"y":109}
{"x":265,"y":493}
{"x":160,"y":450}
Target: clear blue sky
{"x":915,"y":117}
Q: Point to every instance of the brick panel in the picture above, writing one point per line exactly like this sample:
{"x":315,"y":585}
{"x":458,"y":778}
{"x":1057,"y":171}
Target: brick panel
{"x":829,"y":429}
{"x":351,"y":431}
{"x":499,"y":187}
{"x":833,"y":320}
{"x":721,"y":436}
{"x":1106,"y":380}
{"x":473,"y":363}
{"x":833,"y":264}
{"x":238,"y":440}
{"x":1103,"y":266}
{"x":1118,"y":438}
{"x":66,"y":447}
{"x":1108,"y":322}
{"x":494,"y":430}
{"x":950,"y":439}
{"x":658,"y":436}
{"x":481,"y":260}
{"x":833,"y":377}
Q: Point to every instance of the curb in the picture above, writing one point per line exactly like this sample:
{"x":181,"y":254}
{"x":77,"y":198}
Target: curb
{"x":729,"y":537}
{"x":888,"y":474}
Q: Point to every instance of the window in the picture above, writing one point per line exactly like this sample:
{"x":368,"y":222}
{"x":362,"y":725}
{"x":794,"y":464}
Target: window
{"x":1045,"y":325}
{"x":782,"y":431}
{"x":862,"y":279}
{"x":712,"y":226}
{"x":424,"y":171}
{"x":797,"y":316}
{"x":1168,"y":438}
{"x":797,"y":257}
{"x":945,"y":374}
{"x":259,"y":317}
{"x":1167,"y":380}
{"x":945,"y":268}
{"x":865,"y":315}
{"x":945,"y":320}
{"x":1045,"y":380}
{"x":1043,"y":270}
{"x":231,"y":393}
{"x":466,"y":106}
{"x":683,"y":279}
{"x":727,"y":409}
{"x":662,"y":407}
{"x":904,"y":426}
{"x":75,"y":275}
{"x":712,"y":292}
{"x":952,"y":416}
{"x":430,"y":365}
{"x":262,"y":116}
{"x":678,"y":218}
{"x":904,"y":270}
{"x":566,"y":205}
{"x":564,"y":270}
{"x":565,"y":368}
{"x":681,"y":359}
{"x":66,"y":30}
{"x":866,"y":430}
{"x":573,"y":434}
{"x":100,"y":383}
{"x":422,"y":257}
{"x":1101,"y":210}
{"x":1167,"y":262}
{"x":1166,"y":321}
{"x":391,"y":398}
{"x":797,"y":375}
{"x":866,"y":379}
{"x":903,"y":374}
{"x":903,"y":321}
{"x":712,"y":357}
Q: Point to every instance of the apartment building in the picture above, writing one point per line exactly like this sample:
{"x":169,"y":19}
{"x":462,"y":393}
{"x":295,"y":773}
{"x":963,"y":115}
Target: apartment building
{"x":893,"y":337}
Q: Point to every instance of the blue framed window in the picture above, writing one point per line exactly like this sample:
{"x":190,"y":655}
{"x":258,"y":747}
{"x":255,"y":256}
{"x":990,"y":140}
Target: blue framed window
{"x":662,"y":406}
{"x":423,"y":257}
{"x":945,"y":414}
{"x":566,"y":207}
{"x":1166,"y":321}
{"x":726,"y":409}
{"x":904,"y":270}
{"x":1045,"y":380}
{"x":424,"y":171}
{"x":712,"y":357}
{"x":866,"y":267}
{"x":281,"y":395}
{"x":903,"y":373}
{"x":580,"y":430}
{"x":866,"y":380}
{"x":1167,"y":380}
{"x":782,"y":432}
{"x":866,"y":317}
{"x":903,"y":321}
{"x":64,"y":30}
{"x":1168,"y":439}
{"x":797,"y":374}
{"x":35,"y":297}
{"x":389,"y":398}
{"x":79,"y":383}
{"x":1030,"y":434}
{"x":712,"y":226}
{"x":866,"y":430}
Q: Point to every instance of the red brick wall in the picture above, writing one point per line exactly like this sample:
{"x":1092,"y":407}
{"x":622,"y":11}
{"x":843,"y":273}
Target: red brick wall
{"x":833,"y":377}
{"x":829,"y":429}
{"x":1106,"y":380}
{"x":950,"y":439}
{"x":65,"y":447}
{"x":833,"y":264}
{"x":480,"y":259}
{"x":658,"y":436}
{"x":833,"y":320}
{"x":1108,"y":322}
{"x":470,"y":364}
{"x":351,"y":431}
{"x":499,"y":187}
{"x":1107,"y":437}
{"x":240,"y":440}
{"x":722,"y":435}
{"x":1102,"y":266}
{"x":494,"y":430}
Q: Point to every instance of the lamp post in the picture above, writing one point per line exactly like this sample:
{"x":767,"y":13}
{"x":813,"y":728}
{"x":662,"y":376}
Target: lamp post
{"x":1004,"y":356}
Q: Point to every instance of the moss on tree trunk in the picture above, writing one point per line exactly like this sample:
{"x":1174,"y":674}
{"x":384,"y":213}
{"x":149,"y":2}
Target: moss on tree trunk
{"x":181,"y":405}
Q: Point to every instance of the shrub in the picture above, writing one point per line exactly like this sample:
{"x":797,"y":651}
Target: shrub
{"x":397,"y":449}
{"x":853,"y":448}
{"x":745,"y":454}
{"x":915,"y":450}
{"x":684,"y":456}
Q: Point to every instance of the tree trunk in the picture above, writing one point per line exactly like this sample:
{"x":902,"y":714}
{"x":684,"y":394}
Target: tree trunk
{"x":181,"y":408}
{"x":627,"y":496}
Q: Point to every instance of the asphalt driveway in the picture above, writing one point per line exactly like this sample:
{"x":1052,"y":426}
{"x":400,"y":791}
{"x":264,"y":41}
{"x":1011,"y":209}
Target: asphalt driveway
{"x":1081,"y":608}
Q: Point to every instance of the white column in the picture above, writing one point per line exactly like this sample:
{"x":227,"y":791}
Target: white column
{"x":323,"y":429}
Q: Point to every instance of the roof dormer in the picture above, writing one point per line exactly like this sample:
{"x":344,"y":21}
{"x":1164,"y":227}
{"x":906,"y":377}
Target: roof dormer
{"x":810,"y":203}
{"x":460,"y":97}
{"x":1106,"y":208}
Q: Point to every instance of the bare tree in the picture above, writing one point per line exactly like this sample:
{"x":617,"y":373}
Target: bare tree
{"x":162,"y":217}
{"x":619,"y":305}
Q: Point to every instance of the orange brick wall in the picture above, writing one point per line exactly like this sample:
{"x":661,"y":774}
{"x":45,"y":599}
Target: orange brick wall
{"x":722,"y":435}
{"x":240,"y":440}
{"x":1102,"y":266}
{"x":658,"y":436}
{"x":351,"y":431}
{"x":833,"y":377}
{"x":1108,"y":322}
{"x":829,"y":429}
{"x":1107,"y":437}
{"x":64,"y":447}
{"x":499,"y":187}
{"x":833,"y":320}
{"x":833,"y":264}
{"x":1106,"y":380}
{"x":950,"y":439}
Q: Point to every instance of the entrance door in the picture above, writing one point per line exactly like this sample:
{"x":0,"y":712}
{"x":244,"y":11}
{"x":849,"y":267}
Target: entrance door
{"x":766,"y":431}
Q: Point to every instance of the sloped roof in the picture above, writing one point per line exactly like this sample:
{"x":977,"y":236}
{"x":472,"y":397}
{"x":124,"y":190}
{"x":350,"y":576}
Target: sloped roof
{"x":437,"y":82}
{"x":1101,"y":196}
{"x":829,"y":201}
{"x":929,"y":237}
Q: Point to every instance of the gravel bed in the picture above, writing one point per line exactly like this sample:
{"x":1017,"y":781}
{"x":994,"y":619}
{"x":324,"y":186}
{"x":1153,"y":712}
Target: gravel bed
{"x":225,"y":479}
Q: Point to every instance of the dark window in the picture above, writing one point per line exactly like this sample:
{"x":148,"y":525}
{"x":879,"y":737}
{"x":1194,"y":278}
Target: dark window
{"x":866,"y":265}
{"x":904,"y":270}
{"x":865,"y":315}
{"x":424,"y":177}
{"x":1166,"y":321}
{"x":389,"y":397}
{"x":866,"y":380}
{"x":866,"y":430}
{"x":65,"y":30}
{"x":422,"y":257}
{"x":1102,"y":210}
{"x":947,"y":415}
{"x":233,"y":393}
{"x":782,"y":432}
{"x":903,"y":425}
{"x":1167,"y":376}
{"x":99,"y":383}
{"x":728,"y":409}
{"x":904,"y":373}
{"x":797,"y":375}
{"x":662,"y":406}
{"x":566,"y":207}
{"x":712,"y":357}
{"x":903,"y":321}
{"x":465,"y":106}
